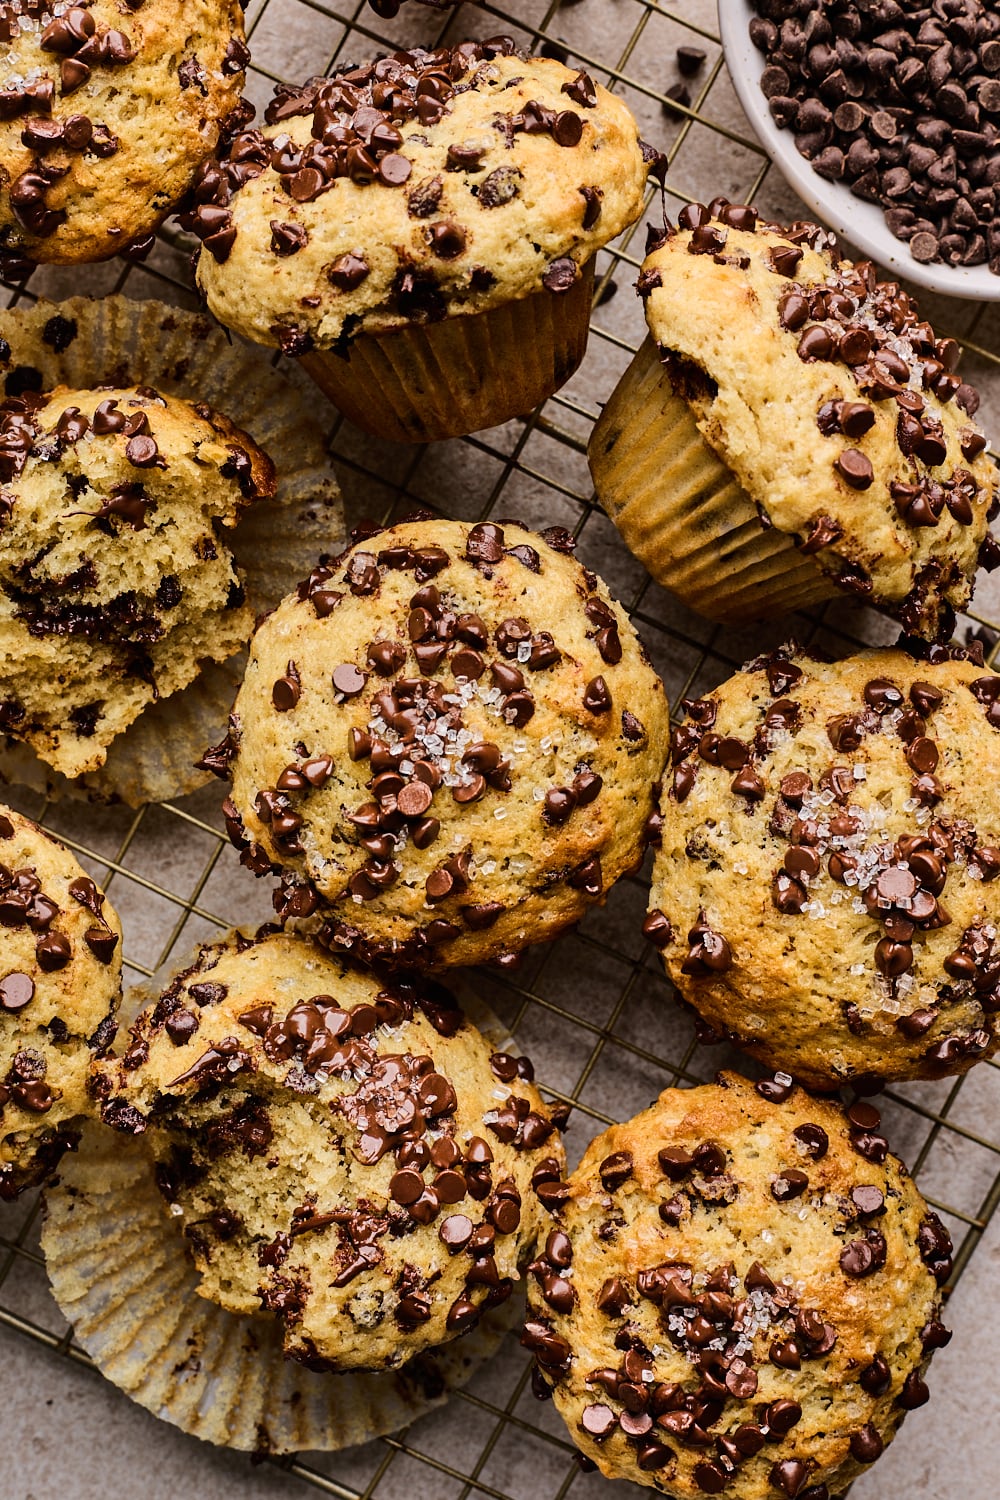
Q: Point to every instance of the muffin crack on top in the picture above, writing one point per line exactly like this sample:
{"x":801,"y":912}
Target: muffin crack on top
{"x":446,"y":743}
{"x":106,"y":110}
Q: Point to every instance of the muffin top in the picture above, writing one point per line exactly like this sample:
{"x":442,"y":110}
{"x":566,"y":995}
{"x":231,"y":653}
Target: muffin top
{"x":449,"y":737}
{"x":349,"y":1156}
{"x":416,"y":187}
{"x":826,"y":890}
{"x":106,"y":109}
{"x":115,"y":581}
{"x":835,"y":407}
{"x":741,"y":1297}
{"x":60,"y":984}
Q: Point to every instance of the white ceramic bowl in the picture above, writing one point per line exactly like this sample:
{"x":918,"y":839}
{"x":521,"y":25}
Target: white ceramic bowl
{"x":861,"y":223}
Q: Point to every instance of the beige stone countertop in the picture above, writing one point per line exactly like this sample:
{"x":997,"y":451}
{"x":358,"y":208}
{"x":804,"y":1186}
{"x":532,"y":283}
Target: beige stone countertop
{"x":593,"y":1012}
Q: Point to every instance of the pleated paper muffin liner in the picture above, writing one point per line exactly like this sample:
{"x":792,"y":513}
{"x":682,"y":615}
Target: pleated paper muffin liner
{"x":119,"y":1270}
{"x":683,"y":513}
{"x":442,"y":380}
{"x":118,"y":341}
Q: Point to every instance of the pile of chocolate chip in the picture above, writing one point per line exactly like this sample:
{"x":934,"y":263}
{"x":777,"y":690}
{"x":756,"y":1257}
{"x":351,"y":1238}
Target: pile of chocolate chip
{"x":900,"y":101}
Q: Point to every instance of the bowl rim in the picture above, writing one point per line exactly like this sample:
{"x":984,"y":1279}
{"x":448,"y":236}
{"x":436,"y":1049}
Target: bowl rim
{"x":861,"y":224}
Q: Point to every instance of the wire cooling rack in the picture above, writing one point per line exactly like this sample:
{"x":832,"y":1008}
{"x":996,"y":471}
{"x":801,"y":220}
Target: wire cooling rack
{"x":594,"y":1009}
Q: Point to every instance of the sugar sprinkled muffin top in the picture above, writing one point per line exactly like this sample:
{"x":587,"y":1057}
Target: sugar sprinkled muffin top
{"x":350,"y":1156}
{"x":835,"y":406}
{"x":116,"y":579}
{"x":826,"y":891}
{"x":448,"y":740}
{"x":60,"y":984}
{"x":741,"y":1297}
{"x":417,"y":186}
{"x":106,"y":110}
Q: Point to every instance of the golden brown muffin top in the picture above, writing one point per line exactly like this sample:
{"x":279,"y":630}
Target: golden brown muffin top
{"x":826,"y":890}
{"x":414,"y":187}
{"x":448,"y":740}
{"x":106,"y":109}
{"x":836,"y":408}
{"x":742,"y":1294}
{"x":60,"y":984}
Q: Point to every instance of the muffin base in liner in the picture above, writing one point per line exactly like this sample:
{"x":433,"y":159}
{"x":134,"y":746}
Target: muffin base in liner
{"x":119,"y":342}
{"x":682,"y":512}
{"x":119,"y":1270}
{"x":442,"y":380}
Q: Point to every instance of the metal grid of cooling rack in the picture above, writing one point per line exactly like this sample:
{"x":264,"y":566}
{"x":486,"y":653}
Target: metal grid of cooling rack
{"x":594,"y":1010}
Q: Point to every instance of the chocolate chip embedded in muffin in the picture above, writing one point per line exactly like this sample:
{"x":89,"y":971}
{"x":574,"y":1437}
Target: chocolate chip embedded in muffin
{"x":107,"y":111}
{"x":117,"y":583}
{"x":843,"y":923}
{"x":60,"y":985}
{"x":749,"y":1309}
{"x":339,"y":1150}
{"x":470,"y":760}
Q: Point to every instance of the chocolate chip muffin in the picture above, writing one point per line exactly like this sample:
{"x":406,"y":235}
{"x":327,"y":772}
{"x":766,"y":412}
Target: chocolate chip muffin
{"x":826,"y":890}
{"x":116,"y":583}
{"x":419,"y":230}
{"x":742,"y":1296}
{"x":60,"y":984}
{"x":349,"y":1156}
{"x":793,"y":429}
{"x":106,"y":110}
{"x":447,"y":741}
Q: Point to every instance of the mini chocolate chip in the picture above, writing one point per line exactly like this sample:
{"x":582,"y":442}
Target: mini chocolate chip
{"x":914,"y":1392}
{"x":814,"y":1138}
{"x":349,"y":680}
{"x":598,"y":1421}
{"x":785,"y":1354}
{"x":876,"y":1377}
{"x":16,"y":991}
{"x":868,"y":1199}
{"x":348,"y":272}
{"x":53,"y":952}
{"x":447,"y":240}
{"x":560,"y":275}
{"x":597,"y":696}
{"x":287,"y":239}
{"x":102,"y":943}
{"x":286,"y":690}
{"x":856,"y":468}
{"x":615,"y":1170}
{"x":789,"y":1475}
{"x":394,"y":170}
{"x":866,"y":1444}
{"x":181,"y":1026}
{"x":790,"y":1184}
{"x":142,"y":452}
